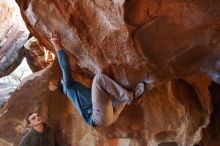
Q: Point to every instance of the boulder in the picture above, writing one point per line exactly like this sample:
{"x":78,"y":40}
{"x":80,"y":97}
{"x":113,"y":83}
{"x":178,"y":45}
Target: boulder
{"x":173,"y":45}
{"x":6,"y":90}
{"x":160,"y":40}
{"x":13,"y":35}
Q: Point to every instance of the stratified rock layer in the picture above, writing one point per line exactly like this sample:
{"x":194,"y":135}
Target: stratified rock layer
{"x":158,"y":39}
{"x":13,"y":34}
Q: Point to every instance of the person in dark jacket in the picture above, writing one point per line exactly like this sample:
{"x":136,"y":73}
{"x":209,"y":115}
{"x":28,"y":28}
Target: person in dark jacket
{"x":101,"y":105}
{"x":40,"y":133}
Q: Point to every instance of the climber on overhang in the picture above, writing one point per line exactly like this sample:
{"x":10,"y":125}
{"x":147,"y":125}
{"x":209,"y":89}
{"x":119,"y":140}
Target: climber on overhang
{"x":101,"y":105}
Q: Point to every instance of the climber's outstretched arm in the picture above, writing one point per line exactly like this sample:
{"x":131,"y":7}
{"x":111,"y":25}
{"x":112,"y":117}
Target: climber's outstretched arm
{"x":62,"y":58}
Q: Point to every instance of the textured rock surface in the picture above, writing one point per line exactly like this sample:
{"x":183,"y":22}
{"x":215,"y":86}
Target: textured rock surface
{"x":211,"y":135}
{"x":13,"y":34}
{"x":6,"y":90}
{"x":178,"y":37}
{"x":158,"y":39}
{"x":161,"y":41}
{"x":38,"y":57}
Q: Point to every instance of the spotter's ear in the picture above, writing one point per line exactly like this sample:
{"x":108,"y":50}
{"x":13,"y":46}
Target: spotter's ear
{"x":29,"y":125}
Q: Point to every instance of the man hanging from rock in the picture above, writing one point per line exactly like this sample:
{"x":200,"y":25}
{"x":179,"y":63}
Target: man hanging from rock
{"x":101,"y":105}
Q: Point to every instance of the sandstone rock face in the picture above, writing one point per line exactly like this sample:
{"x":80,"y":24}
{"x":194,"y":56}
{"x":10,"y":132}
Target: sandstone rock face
{"x":171,"y":44}
{"x":158,"y":39}
{"x":13,"y":34}
{"x":38,"y":57}
{"x":177,"y":37}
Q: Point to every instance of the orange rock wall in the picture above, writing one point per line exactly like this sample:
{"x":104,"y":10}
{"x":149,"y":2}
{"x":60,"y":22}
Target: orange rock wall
{"x":174,"y":45}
